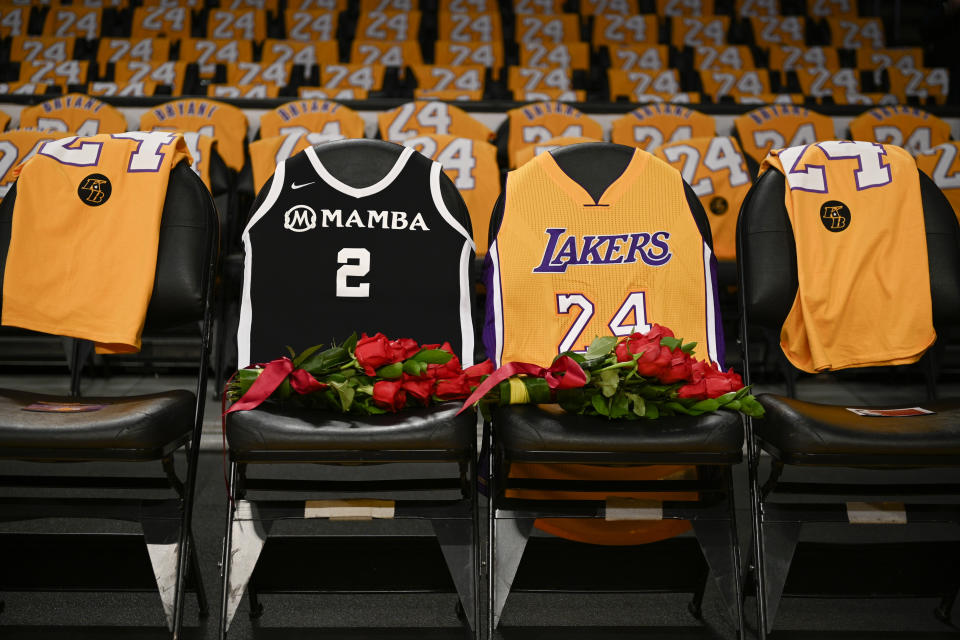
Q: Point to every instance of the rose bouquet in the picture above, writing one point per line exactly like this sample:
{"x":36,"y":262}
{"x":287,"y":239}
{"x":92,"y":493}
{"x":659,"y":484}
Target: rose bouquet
{"x":365,"y":376}
{"x":638,"y":376}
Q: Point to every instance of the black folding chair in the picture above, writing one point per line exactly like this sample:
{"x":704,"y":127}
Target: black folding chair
{"x":435,"y":452}
{"x":712,"y":443}
{"x":136,"y":428}
{"x":802,"y":439}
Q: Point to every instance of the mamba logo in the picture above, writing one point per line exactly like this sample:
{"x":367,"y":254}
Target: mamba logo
{"x":299,"y":218}
{"x":94,"y":190}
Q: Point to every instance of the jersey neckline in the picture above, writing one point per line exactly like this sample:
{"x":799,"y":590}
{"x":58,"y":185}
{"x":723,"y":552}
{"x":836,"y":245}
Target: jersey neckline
{"x":359,"y":192}
{"x":575,"y":190}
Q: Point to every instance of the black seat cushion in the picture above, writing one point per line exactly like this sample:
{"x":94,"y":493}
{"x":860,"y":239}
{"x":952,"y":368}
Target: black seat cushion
{"x":532,"y":434}
{"x":271,"y":433}
{"x":144,"y":427}
{"x":800,"y":432}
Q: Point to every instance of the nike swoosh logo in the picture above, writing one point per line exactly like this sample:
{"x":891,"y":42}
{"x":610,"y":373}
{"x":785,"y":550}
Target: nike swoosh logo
{"x":294,"y":185}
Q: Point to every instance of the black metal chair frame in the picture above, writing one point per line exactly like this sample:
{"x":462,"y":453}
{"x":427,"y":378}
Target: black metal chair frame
{"x":776,"y":524}
{"x":166,"y":522}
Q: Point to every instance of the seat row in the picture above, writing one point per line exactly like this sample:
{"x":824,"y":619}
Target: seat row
{"x":637,"y":481}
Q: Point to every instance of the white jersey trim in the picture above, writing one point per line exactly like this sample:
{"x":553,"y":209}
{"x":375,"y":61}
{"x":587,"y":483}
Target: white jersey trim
{"x":466,"y":318}
{"x":441,"y":206}
{"x":709,"y":303}
{"x":360,"y":192}
{"x":492,"y":252}
{"x":246,"y":309}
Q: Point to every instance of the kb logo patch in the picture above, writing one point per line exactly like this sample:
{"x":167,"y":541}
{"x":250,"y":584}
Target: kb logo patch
{"x":299,"y":218}
{"x":94,"y":190}
{"x":718,"y":205}
{"x":834,"y":215}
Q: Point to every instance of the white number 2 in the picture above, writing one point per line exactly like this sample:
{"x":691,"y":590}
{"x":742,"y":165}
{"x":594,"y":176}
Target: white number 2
{"x":635,"y":301}
{"x":355,"y":262}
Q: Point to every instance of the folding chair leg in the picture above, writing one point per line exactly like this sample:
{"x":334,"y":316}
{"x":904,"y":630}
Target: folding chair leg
{"x":161,"y":525}
{"x":247,"y":537}
{"x":511,"y":535}
{"x":718,"y":542}
{"x":225,"y":554}
{"x":458,"y":545}
{"x":202,"y":605}
{"x":779,"y":543}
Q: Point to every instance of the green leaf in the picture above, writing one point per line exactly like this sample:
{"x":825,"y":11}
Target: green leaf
{"x":609,"y":382}
{"x":620,"y":407}
{"x":727,"y":397}
{"x":291,"y":351}
{"x":601,"y":346}
{"x":306,"y":354}
{"x":433,"y":356}
{"x":346,"y":393}
{"x":671,"y":343}
{"x":710,"y":404}
{"x":350,"y":344}
{"x":390,"y":371}
{"x":414,"y":368}
{"x":639,"y":404}
{"x":600,"y":405}
{"x":688,"y":348}
{"x":576,"y":357}
{"x":652,"y":411}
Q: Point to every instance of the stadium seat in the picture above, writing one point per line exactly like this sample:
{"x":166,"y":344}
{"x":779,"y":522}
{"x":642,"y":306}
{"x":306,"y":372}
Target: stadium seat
{"x":273,"y":434}
{"x":115,"y":430}
{"x":803,"y":439}
{"x":552,"y":455}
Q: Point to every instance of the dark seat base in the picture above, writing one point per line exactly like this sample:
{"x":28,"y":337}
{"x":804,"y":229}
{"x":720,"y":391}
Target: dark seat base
{"x":798,"y":432}
{"x":146,"y":427}
{"x":528,"y":433}
{"x":270,"y":433}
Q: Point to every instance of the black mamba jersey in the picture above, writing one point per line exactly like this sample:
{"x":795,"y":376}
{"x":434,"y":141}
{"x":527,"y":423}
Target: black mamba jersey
{"x":324,"y":259}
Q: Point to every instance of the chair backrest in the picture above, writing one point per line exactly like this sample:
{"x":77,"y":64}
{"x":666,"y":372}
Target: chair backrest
{"x":593,"y":239}
{"x":356,"y":236}
{"x":767,"y":255}
{"x":188,"y":242}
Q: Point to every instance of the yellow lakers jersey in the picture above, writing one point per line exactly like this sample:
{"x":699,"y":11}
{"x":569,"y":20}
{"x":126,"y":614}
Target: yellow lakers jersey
{"x":861,"y":251}
{"x":87,"y":188}
{"x":942,"y":164}
{"x":267,"y":153}
{"x":541,"y":121}
{"x":18,"y":146}
{"x":218,"y":120}
{"x":717,"y":172}
{"x":655,"y":124}
{"x":565,"y":268}
{"x":74,"y":113}
{"x":321,"y":116}
{"x":780,"y":125}
{"x":428,"y":118}
{"x":4,"y":121}
{"x":913,"y":129}
{"x":472,"y":165}
{"x":527,"y":153}
{"x":201,"y":148}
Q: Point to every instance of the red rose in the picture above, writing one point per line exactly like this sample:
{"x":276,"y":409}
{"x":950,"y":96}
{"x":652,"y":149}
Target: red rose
{"x":451,"y":369}
{"x":678,"y":369}
{"x":403,"y":348}
{"x":389,"y":394}
{"x":456,"y":388}
{"x":419,"y":388}
{"x":373,"y":352}
{"x":719,"y":383}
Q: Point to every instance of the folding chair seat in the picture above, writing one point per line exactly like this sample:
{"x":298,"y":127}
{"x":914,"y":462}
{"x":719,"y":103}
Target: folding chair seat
{"x":439,"y":487}
{"x":571,"y":469}
{"x":807,"y":441}
{"x":153,"y":427}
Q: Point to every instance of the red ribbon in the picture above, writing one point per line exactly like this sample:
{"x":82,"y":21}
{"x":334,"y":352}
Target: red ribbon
{"x":273,"y":375}
{"x":573,"y":377}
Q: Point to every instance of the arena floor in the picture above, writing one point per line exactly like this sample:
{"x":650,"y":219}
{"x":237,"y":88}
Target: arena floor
{"x":527,"y":616}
